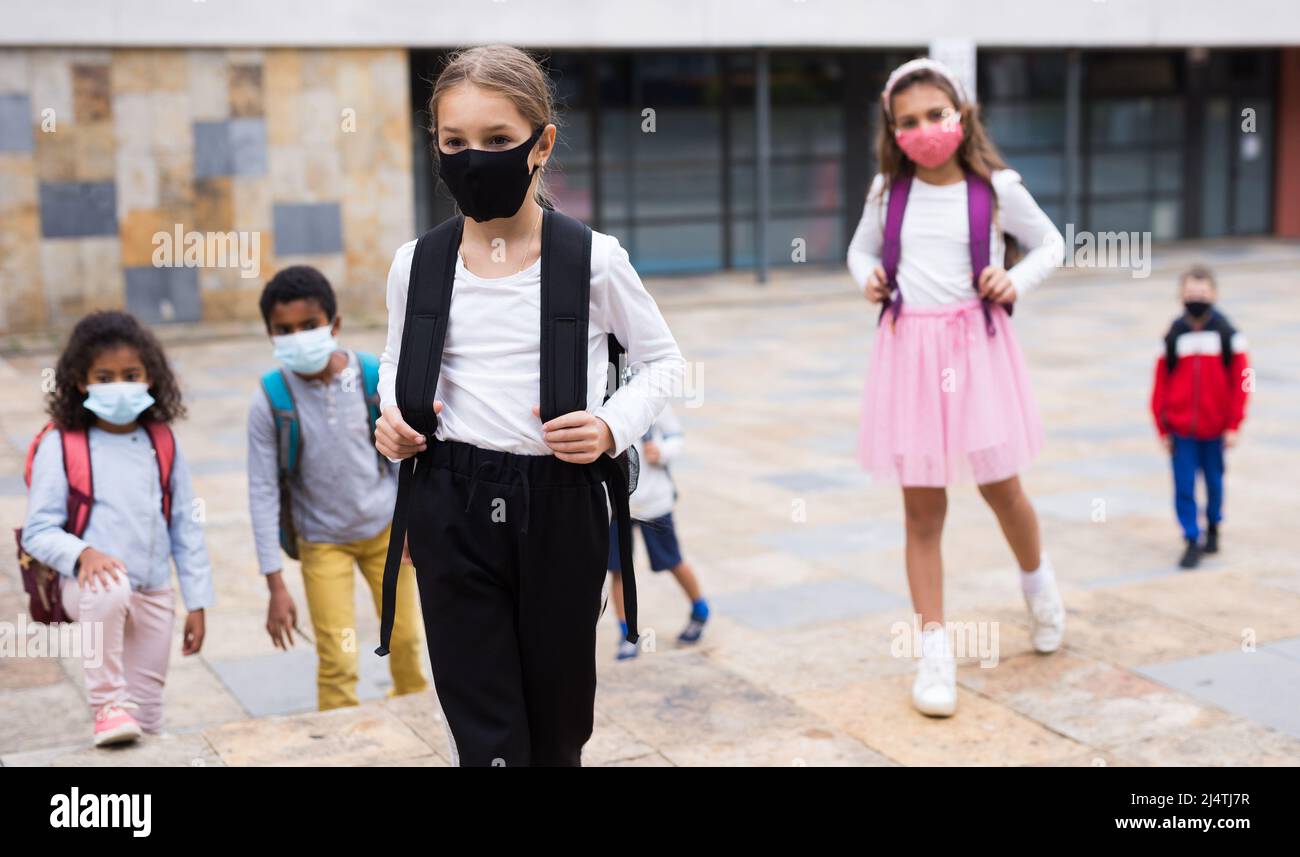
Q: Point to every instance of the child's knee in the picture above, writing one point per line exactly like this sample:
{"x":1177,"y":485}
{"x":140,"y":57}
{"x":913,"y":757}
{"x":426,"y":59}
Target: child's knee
{"x":925,"y":523}
{"x":1003,"y":495}
{"x":103,"y":597}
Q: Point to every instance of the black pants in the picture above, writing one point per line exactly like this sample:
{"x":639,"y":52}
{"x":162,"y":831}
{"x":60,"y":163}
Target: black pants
{"x":509,"y":552}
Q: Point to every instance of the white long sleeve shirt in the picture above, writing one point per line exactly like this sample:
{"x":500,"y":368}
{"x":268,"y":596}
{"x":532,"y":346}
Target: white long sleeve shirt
{"x":934,"y":266}
{"x":655,"y":492}
{"x":491,"y":362}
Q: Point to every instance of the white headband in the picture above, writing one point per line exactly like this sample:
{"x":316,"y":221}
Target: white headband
{"x":922,"y":64}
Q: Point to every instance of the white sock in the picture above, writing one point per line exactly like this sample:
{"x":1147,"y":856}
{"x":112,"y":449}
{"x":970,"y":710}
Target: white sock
{"x":1033,"y":581}
{"x":934,"y":642}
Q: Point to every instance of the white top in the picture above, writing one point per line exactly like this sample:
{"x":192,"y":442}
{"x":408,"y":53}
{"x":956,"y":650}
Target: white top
{"x":934,"y":265}
{"x":655,"y":492}
{"x":491,"y":362}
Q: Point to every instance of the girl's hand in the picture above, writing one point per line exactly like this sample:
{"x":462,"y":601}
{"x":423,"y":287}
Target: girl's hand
{"x":995,"y":285}
{"x":651,"y":450}
{"x":577,"y":437}
{"x":877,"y":287}
{"x":1229,"y":439}
{"x":95,"y":569}
{"x":194,"y":632}
{"x":394,"y":438}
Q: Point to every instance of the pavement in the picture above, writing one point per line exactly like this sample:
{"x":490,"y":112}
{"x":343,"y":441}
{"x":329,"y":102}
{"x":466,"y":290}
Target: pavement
{"x":802,"y":559}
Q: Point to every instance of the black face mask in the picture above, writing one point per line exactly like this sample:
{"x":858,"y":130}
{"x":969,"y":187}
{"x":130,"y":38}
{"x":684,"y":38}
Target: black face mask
{"x":1197,"y":309}
{"x":488,"y":185}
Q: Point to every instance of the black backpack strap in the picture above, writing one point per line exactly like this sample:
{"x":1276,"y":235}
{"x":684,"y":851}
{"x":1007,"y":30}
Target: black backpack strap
{"x":566,"y":302}
{"x":1226,"y":331}
{"x":428,"y":302}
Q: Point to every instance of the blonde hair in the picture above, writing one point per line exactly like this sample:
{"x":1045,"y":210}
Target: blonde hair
{"x":509,"y":72}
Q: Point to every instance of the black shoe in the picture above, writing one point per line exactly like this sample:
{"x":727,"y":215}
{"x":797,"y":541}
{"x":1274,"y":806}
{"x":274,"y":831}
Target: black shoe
{"x":1211,"y":541}
{"x":1191,"y":556}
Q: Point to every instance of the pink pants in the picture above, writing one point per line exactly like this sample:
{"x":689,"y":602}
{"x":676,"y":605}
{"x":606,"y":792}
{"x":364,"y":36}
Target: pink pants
{"x":137,"y":642}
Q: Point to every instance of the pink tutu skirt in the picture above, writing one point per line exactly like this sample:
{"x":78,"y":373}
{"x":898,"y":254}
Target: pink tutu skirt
{"x":945,"y":402}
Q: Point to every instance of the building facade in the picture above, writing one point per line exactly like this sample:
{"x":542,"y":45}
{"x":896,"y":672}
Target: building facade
{"x":705,"y":135}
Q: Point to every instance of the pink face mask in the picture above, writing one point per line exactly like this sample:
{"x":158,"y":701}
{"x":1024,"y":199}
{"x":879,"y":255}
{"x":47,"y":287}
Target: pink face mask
{"x":930,"y":145}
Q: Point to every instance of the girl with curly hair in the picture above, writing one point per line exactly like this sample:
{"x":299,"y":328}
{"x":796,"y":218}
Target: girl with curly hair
{"x":115,"y":392}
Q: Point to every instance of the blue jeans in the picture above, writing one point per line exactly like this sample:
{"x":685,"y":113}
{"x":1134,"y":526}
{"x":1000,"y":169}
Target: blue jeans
{"x":1189,"y":456}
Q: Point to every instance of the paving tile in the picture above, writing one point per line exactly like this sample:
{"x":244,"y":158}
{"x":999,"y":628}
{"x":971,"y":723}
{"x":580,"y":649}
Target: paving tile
{"x":167,"y":750}
{"x":1235,"y":742}
{"x":41,"y":717}
{"x":1109,"y":627}
{"x":345,"y":736}
{"x":676,"y":702}
{"x":1081,"y":506}
{"x":879,"y":713}
{"x":803,"y":481}
{"x":1286,"y":648}
{"x":1223,"y":603}
{"x":805,"y":604}
{"x":814,"y":541}
{"x":285,"y":682}
{"x":1263,"y":686}
{"x":1090,"y":701}
{"x":1104,"y":468}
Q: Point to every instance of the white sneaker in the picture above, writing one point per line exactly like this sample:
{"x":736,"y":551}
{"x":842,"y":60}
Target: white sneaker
{"x":934,"y":692}
{"x":1046,"y":617}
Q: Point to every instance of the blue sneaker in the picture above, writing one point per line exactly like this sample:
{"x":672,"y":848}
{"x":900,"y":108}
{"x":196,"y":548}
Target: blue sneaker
{"x":627,"y":651}
{"x":694,"y":628}
{"x":695,"y":625}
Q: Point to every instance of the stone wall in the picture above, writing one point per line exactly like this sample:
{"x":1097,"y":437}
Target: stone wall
{"x":302,"y":155}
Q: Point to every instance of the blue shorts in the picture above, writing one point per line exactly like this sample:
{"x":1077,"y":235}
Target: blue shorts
{"x":660,"y":542}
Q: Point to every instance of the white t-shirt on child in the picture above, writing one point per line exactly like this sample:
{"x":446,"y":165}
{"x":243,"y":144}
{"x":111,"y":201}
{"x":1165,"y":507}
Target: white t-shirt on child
{"x":934,"y":267}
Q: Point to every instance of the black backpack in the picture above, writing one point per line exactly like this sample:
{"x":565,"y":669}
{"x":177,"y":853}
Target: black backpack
{"x":566,"y":301}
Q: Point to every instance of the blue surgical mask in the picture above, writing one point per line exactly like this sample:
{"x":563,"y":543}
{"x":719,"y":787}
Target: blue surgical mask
{"x":307,"y":351}
{"x":118,"y":403}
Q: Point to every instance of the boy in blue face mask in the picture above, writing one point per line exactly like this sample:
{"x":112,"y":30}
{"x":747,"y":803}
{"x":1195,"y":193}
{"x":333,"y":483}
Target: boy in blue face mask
{"x":317,"y":488}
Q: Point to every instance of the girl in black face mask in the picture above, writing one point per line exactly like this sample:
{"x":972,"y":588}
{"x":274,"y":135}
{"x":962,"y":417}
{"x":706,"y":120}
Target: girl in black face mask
{"x":493,"y":389}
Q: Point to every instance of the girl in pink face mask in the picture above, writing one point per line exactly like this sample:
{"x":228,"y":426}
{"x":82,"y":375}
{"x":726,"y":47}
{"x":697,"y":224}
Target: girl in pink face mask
{"x":948,"y":398}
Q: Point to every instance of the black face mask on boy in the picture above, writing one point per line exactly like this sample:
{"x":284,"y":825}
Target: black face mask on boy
{"x":486,"y":184}
{"x":1197,"y":309}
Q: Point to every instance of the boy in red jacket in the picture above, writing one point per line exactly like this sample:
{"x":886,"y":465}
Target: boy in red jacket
{"x":1199,"y":402}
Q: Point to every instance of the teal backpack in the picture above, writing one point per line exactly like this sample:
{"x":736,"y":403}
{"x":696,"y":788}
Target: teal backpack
{"x":289,"y":435}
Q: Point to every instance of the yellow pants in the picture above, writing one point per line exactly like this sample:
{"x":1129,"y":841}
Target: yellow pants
{"x":328,"y":578}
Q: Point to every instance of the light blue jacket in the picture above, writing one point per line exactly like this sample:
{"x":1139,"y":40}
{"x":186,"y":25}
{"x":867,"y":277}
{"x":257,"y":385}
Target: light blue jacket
{"x":126,"y":520}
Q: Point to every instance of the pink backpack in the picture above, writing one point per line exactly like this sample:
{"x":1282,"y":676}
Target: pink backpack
{"x":979,"y":212}
{"x":45,"y":602}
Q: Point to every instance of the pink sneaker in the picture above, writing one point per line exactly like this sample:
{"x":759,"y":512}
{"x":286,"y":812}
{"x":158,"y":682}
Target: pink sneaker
{"x":113,"y":725}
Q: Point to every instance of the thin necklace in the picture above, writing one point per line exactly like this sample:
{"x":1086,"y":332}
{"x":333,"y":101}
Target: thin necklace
{"x":529,"y":242}
{"x":460,"y":252}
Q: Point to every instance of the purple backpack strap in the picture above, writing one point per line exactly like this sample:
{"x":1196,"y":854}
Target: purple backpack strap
{"x":892,"y":247}
{"x":979,"y":213}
